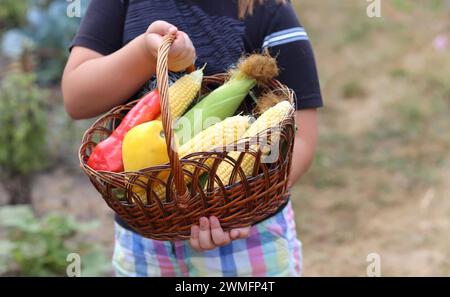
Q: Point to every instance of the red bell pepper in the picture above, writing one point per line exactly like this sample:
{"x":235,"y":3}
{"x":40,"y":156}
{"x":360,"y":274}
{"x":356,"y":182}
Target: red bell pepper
{"x":107,"y":155}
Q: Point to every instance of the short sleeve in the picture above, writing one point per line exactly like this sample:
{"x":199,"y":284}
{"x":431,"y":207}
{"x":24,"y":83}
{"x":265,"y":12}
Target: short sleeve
{"x":278,"y":29}
{"x":102,"y":26}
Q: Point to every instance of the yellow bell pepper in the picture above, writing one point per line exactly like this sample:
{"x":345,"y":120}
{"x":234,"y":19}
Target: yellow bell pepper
{"x":144,"y":146}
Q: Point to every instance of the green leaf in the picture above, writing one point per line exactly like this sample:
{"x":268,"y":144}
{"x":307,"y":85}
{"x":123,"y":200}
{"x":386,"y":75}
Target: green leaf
{"x":6,"y":246}
{"x":84,"y":227}
{"x":58,"y":224}
{"x":41,"y":250}
{"x":95,"y":264}
{"x":20,"y":217}
{"x":23,"y":118}
{"x":35,"y":248}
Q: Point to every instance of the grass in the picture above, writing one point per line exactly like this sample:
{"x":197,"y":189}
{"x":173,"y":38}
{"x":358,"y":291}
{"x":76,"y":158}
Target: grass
{"x":353,"y":89}
{"x":379,"y":155}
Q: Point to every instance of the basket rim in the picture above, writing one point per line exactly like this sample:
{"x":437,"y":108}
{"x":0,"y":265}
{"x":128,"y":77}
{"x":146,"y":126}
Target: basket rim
{"x":245,"y":141}
{"x":272,"y":84}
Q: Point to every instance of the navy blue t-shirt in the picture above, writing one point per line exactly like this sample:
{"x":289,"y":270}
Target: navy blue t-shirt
{"x":218,"y":35}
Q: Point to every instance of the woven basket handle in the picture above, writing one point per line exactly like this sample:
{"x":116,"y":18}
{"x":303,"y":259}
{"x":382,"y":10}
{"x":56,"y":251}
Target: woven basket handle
{"x":162,"y":78}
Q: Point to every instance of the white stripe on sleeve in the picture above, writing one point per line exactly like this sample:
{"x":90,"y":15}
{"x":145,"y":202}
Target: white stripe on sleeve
{"x":285,"y":36}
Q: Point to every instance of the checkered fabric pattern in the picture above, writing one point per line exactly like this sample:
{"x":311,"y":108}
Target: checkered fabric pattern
{"x":272,"y":249}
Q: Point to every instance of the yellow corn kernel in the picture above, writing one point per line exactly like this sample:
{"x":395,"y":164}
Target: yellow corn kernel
{"x":218,"y":135}
{"x":182,"y":92}
{"x":270,"y":118}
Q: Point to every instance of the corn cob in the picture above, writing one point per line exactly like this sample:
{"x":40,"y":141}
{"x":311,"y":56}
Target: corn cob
{"x":215,"y":137}
{"x":218,"y":135}
{"x":182,"y":92}
{"x":270,"y":118}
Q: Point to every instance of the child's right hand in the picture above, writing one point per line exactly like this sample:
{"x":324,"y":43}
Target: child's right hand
{"x":182,"y":52}
{"x":210,"y":235}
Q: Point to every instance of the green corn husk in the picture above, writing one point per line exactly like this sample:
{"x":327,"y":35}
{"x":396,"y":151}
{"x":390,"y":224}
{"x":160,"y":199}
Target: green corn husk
{"x":225,"y":100}
{"x":221,"y":103}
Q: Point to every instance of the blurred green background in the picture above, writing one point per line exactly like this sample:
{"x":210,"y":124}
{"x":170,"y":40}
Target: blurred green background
{"x":379,"y":183}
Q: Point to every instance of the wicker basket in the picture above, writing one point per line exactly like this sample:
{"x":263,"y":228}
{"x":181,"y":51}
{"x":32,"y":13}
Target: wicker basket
{"x":237,"y":204}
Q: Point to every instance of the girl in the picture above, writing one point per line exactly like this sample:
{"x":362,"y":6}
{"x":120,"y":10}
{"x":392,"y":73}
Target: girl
{"x":113,"y":57}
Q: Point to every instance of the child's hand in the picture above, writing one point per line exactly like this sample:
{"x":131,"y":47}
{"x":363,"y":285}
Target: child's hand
{"x":182,"y":52}
{"x":210,"y":234}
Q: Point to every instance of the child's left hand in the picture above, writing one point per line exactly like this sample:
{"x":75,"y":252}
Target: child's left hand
{"x":182,"y":52}
{"x":210,"y":234}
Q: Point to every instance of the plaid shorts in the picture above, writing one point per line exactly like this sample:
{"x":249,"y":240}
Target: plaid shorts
{"x":272,"y":249}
